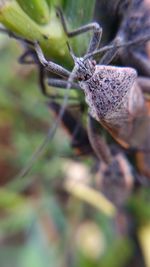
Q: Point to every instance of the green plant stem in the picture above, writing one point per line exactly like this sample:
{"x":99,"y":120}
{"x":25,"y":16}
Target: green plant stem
{"x":51,"y":37}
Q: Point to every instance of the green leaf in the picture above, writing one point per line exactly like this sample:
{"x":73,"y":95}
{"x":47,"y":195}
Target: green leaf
{"x":36,"y":9}
{"x":78,"y":14}
{"x":51,"y":38}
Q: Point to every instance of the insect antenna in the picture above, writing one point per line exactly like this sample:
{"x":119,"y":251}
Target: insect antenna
{"x":115,"y":44}
{"x":50,"y":134}
{"x":72,"y":75}
{"x":42,"y":147}
{"x":16,"y":37}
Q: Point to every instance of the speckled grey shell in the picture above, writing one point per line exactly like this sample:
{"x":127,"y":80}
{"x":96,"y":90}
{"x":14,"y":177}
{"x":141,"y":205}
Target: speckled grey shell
{"x":107,"y":88}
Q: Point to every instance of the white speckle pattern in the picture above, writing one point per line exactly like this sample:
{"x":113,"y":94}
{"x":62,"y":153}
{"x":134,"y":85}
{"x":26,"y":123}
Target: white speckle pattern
{"x":105,"y":90}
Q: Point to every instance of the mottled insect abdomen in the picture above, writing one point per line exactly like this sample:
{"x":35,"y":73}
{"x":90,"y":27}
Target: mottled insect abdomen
{"x":106,"y":89}
{"x":116,"y":101}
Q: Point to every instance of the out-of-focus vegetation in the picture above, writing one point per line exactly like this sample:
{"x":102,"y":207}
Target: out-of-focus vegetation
{"x":55,"y":215}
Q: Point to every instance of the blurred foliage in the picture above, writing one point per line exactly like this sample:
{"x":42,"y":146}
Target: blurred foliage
{"x":50,"y":35}
{"x":41,"y":222}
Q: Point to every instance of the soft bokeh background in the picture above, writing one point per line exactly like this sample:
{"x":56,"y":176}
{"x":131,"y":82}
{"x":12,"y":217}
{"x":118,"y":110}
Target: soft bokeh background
{"x":41,"y":224}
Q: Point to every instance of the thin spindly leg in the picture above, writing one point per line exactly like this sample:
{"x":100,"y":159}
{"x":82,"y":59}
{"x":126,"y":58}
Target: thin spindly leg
{"x":15,"y":36}
{"x":49,"y":65}
{"x":113,"y":49}
{"x":61,"y":84}
{"x":135,"y":59}
{"x":117,"y":44}
{"x":108,"y":57}
{"x":141,"y":63}
{"x":77,"y":132}
{"x":42,"y":83}
{"x":29,"y":45}
{"x":144,"y":84}
{"x":95,"y":27}
{"x":97,"y":142}
{"x":24,"y":59}
{"x":42,"y":79}
{"x":28,"y":57}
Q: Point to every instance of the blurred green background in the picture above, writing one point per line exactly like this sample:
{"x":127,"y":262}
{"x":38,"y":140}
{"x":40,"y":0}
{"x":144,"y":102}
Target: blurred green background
{"x":41,"y":224}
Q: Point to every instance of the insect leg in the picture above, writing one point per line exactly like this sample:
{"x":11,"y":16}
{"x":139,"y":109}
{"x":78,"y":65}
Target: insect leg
{"x":111,"y":53}
{"x":61,"y":83}
{"x":116,"y":44}
{"x":142,"y":63}
{"x":98,"y":143}
{"x":108,"y":57}
{"x":144,"y":83}
{"x":75,"y":129}
{"x":49,"y":65}
{"x":15,"y":36}
{"x":95,"y":27}
{"x":42,"y":83}
{"x":28,"y":57}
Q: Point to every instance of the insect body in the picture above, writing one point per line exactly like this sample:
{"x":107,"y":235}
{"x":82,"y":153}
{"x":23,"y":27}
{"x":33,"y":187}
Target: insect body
{"x":112,"y":93}
{"x":113,"y":97}
{"x":116,"y":101}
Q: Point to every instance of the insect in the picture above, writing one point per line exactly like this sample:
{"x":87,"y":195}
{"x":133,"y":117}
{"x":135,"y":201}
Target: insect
{"x":77,"y":133}
{"x":133,"y":23}
{"x":112,"y":93}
